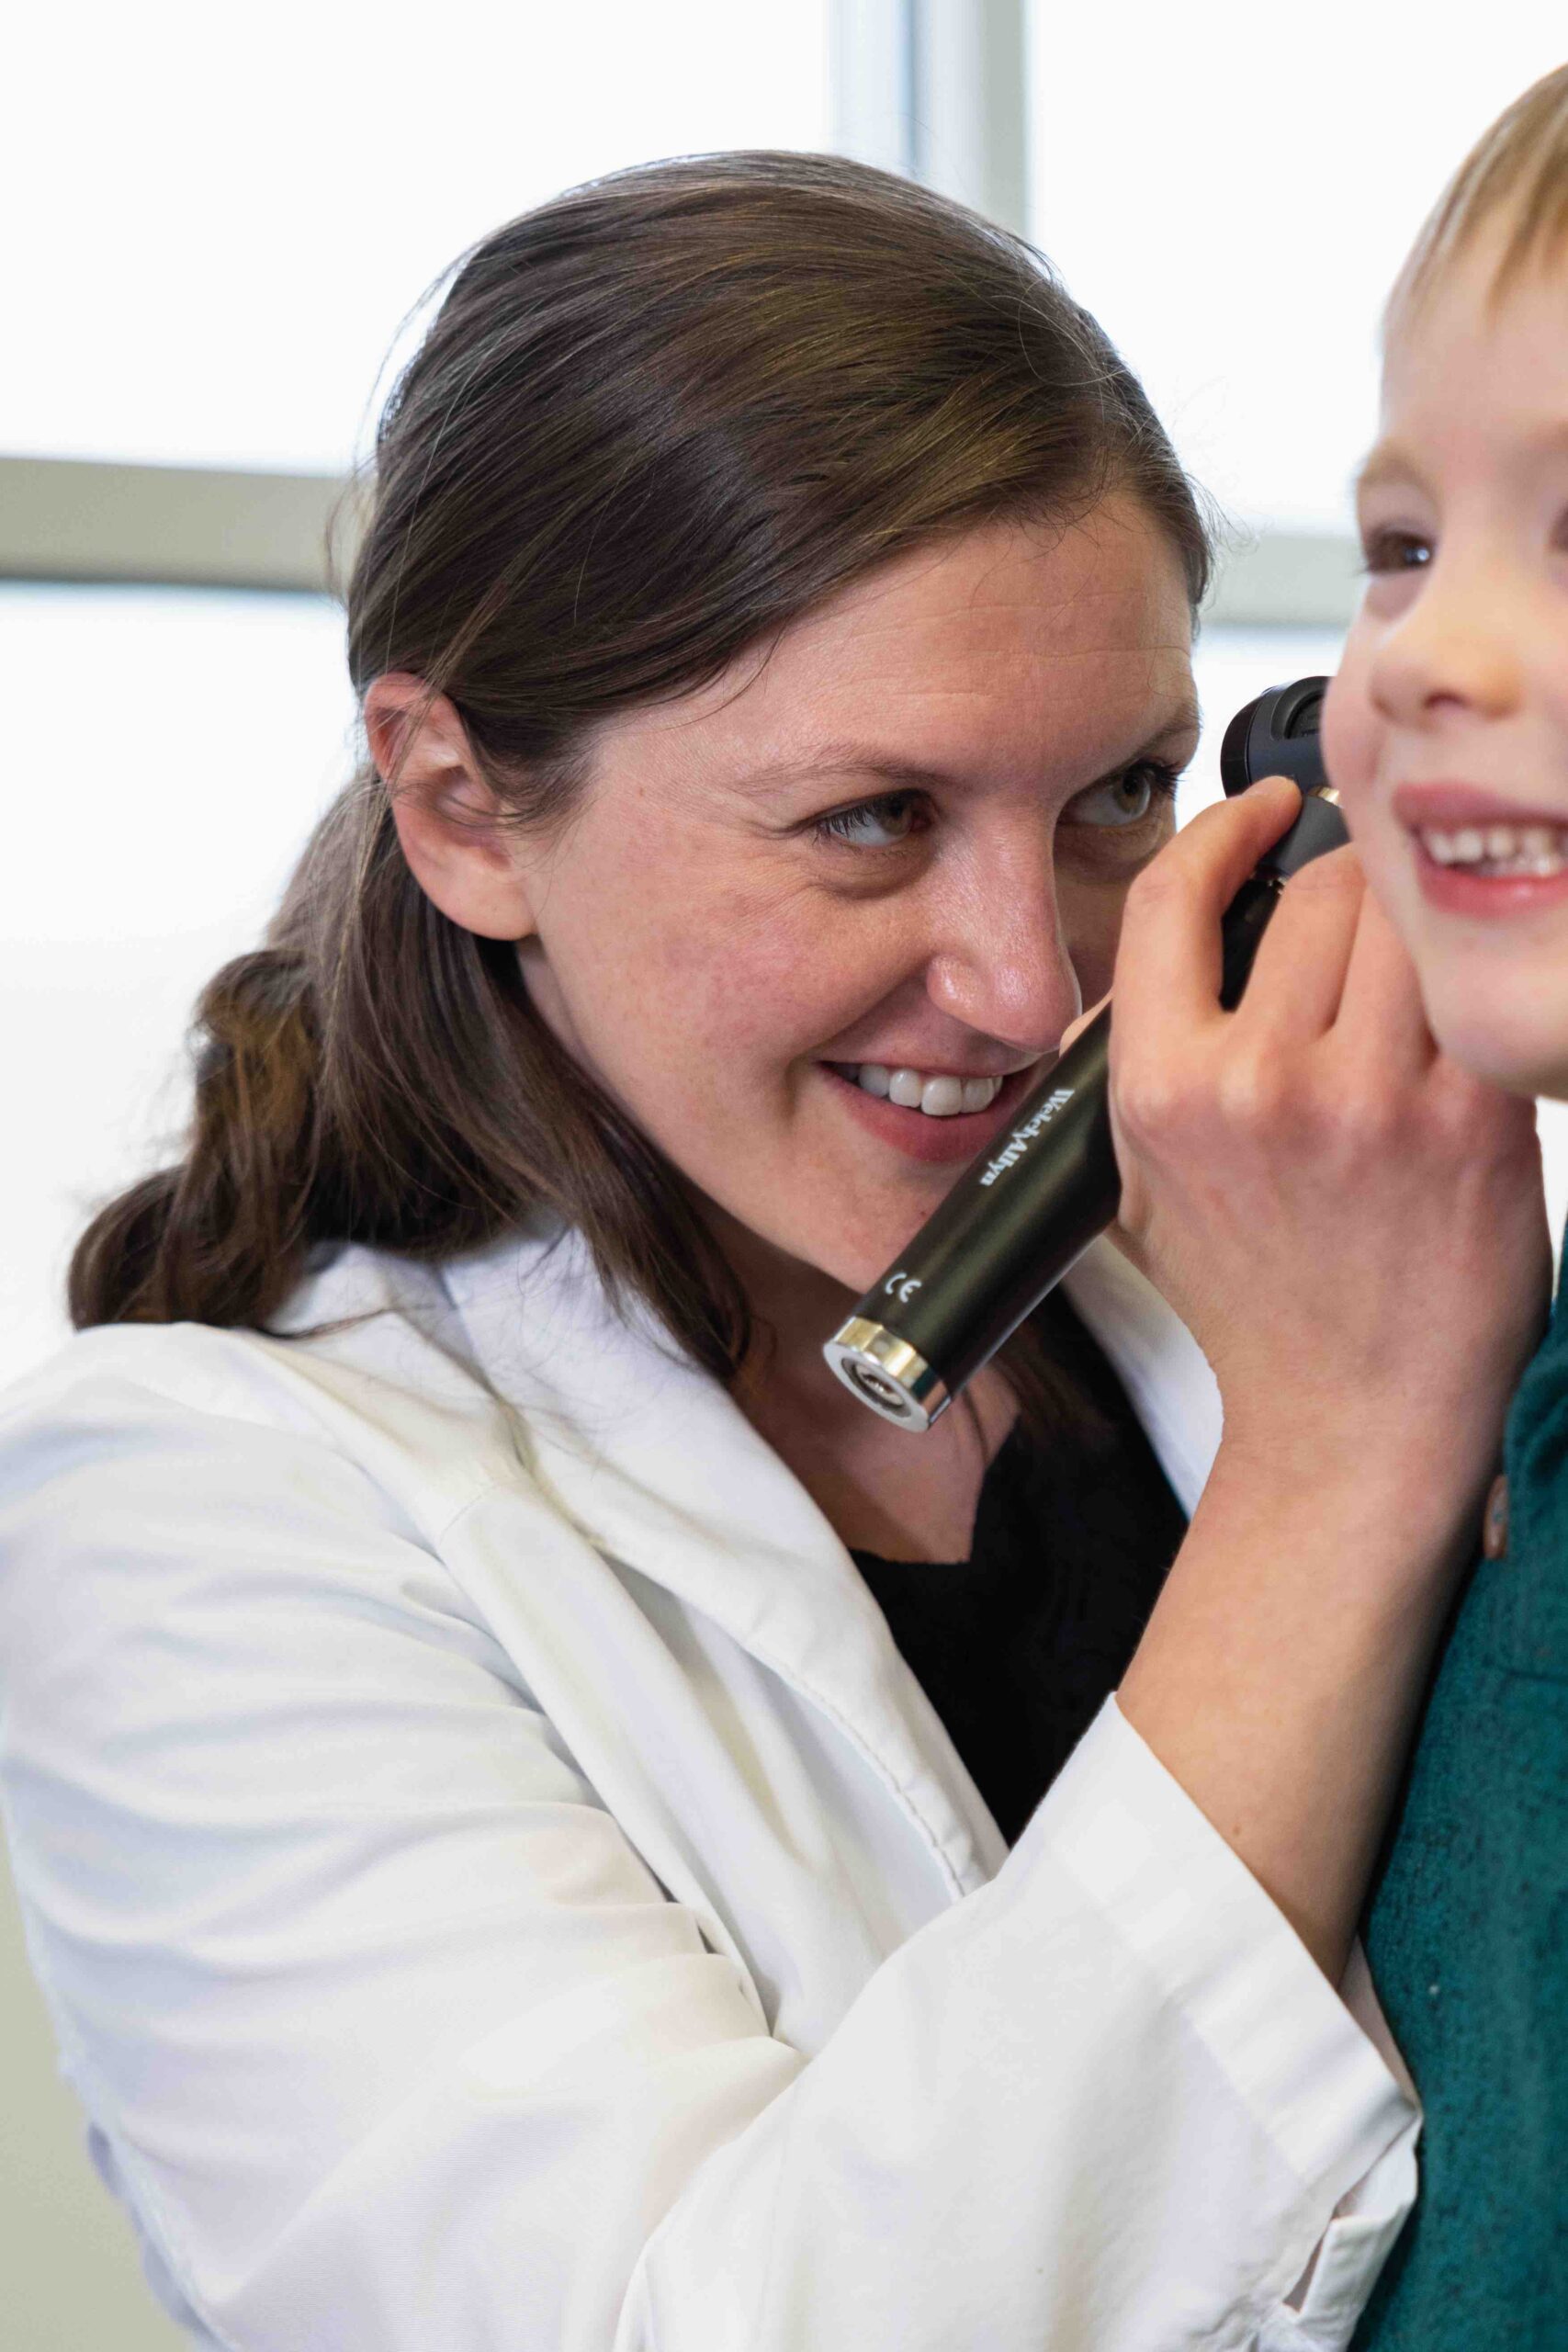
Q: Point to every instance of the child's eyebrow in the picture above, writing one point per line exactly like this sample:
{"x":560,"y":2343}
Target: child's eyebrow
{"x":1385,"y":464}
{"x":1388,"y":465}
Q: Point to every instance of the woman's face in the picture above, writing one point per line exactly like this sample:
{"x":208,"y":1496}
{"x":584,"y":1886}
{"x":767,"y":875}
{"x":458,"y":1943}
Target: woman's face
{"x":899,"y":843}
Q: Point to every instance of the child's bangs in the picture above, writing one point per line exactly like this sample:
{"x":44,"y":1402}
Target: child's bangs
{"x":1514,"y":180}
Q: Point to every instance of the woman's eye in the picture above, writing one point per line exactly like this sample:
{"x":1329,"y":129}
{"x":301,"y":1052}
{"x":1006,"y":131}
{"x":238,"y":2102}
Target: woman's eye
{"x":873,"y":824}
{"x":1384,"y":551}
{"x":1124,"y":800}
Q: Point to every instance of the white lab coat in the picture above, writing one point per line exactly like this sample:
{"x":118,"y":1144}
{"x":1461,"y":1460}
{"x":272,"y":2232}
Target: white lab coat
{"x":498,"y":1888}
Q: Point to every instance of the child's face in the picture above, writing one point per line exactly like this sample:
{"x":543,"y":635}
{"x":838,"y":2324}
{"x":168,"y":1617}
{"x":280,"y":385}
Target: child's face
{"x":1447,"y":729}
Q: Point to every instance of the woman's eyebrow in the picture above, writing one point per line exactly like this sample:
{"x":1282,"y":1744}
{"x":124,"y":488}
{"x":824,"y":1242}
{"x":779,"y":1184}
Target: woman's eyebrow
{"x":843,"y":760}
{"x":862,"y":760}
{"x":1183,"y":718}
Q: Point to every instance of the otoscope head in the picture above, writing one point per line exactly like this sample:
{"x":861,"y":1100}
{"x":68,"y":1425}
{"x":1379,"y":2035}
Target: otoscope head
{"x":1277,"y":735}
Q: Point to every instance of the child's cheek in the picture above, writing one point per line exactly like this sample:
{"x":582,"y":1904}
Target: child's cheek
{"x":1352,"y":744}
{"x":1354,"y":753}
{"x":1349,"y":749}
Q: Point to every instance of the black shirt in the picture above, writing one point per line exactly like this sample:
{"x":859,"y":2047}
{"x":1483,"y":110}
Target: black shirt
{"x":1018,"y":1647}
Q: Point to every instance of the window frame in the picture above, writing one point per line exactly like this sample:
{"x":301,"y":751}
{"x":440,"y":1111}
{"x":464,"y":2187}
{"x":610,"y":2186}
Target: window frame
{"x":937,"y":89}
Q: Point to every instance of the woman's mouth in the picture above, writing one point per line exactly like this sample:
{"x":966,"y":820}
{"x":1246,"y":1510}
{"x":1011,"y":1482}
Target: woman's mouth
{"x":939,"y":1094}
{"x":929,"y":1114}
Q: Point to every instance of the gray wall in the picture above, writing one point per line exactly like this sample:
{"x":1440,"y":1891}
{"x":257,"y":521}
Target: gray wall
{"x":70,"y":2280}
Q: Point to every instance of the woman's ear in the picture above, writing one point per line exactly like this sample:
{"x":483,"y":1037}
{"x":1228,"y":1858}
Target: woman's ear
{"x":446,"y":814}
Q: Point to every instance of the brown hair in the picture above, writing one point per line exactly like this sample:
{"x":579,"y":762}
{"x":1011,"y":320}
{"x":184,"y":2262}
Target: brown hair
{"x":1516,"y":172}
{"x":651,"y":423}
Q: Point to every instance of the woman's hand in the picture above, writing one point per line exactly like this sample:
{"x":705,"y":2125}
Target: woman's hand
{"x":1353,"y":1229}
{"x":1351,"y":1225}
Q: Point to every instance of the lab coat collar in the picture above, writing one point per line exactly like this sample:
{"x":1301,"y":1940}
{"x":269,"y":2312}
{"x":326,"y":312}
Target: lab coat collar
{"x":647,"y":1453}
{"x":658,"y":1467}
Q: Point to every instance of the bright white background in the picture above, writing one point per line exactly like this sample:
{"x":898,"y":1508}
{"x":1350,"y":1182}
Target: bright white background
{"x":231,"y":210}
{"x":1232,"y":187}
{"x":216,"y":220}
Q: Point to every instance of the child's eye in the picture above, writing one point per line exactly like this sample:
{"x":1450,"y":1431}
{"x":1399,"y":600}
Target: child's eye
{"x":1124,"y":800}
{"x":1395,"y":551}
{"x":872,"y":824}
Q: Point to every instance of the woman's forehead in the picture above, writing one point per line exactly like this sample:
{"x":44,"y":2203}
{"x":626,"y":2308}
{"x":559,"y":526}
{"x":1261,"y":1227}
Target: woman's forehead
{"x":1011,"y":621}
{"x":1045,"y":584}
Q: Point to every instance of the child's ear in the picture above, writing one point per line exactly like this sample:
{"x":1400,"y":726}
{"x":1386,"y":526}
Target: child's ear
{"x":446,"y":811}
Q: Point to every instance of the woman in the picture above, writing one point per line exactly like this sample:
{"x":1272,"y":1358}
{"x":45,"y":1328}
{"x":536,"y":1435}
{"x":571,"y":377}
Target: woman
{"x":497,"y":1877}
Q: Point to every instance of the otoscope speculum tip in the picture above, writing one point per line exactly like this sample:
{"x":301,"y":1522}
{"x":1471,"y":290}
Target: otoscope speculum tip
{"x":886,"y":1372}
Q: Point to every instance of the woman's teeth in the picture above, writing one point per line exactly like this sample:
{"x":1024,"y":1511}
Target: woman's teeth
{"x":940,"y":1096}
{"x":1537,"y":851}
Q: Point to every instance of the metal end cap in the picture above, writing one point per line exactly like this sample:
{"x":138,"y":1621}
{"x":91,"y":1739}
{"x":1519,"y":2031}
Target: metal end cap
{"x":886,"y":1374}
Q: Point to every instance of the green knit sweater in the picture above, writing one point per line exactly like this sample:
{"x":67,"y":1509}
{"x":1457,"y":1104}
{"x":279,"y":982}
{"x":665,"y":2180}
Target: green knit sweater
{"x":1468,"y":1933}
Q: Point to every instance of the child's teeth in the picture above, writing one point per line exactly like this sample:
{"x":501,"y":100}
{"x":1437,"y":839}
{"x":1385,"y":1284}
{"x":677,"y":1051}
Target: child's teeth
{"x":940,"y":1095}
{"x":1501,"y":851}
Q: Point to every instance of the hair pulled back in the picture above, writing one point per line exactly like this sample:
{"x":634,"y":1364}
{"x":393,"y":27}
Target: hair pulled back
{"x":651,"y":423}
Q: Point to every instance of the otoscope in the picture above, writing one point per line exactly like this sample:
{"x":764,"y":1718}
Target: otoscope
{"x":1035,"y":1198}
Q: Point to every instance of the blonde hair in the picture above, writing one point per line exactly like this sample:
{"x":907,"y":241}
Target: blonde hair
{"x":1516,"y":178}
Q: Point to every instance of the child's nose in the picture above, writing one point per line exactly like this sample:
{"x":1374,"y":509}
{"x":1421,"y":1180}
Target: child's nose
{"x":1454,"y":649}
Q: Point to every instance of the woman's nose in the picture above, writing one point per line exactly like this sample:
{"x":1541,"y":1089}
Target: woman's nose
{"x":1002,"y":966}
{"x":1454,"y":649}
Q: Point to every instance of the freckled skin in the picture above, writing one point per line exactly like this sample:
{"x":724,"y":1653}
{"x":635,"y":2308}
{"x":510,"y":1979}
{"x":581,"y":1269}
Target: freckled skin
{"x":1456,"y":670}
{"x":698,"y":949}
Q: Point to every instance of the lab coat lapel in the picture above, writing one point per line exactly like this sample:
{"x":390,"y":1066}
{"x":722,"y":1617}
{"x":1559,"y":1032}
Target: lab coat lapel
{"x":656,"y":1465}
{"x":659,"y":1468}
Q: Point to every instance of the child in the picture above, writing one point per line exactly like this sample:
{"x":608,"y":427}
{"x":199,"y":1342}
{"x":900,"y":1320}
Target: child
{"x":1447,"y":733}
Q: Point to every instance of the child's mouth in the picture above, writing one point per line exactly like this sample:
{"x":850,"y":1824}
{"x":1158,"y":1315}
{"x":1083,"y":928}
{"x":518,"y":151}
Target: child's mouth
{"x":1480,"y":853}
{"x":1535,"y":852}
{"x":1491,"y":870}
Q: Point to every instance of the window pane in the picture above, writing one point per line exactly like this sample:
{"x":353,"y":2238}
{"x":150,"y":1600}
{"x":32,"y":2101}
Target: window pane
{"x":168,"y":752}
{"x":228,"y":213}
{"x":1230,"y":190}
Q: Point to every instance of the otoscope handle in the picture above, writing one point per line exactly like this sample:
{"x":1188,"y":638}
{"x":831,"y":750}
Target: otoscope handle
{"x":974,"y":1270}
{"x":1031,"y":1203}
{"x":1317,"y":829}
